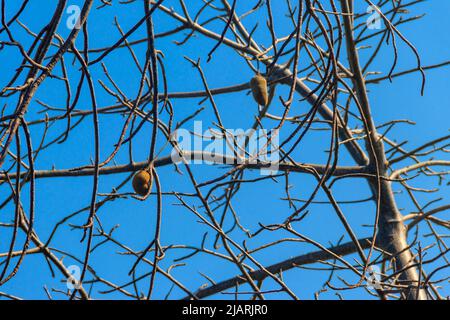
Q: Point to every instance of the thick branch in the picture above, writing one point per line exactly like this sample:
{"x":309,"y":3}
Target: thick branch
{"x":195,"y":155}
{"x":309,"y":258}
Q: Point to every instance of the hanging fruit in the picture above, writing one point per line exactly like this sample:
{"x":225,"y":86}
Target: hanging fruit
{"x":142,"y":182}
{"x":259,"y":89}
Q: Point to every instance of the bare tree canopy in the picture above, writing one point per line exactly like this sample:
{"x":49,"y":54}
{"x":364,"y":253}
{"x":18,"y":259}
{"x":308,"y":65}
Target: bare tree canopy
{"x":223,"y":149}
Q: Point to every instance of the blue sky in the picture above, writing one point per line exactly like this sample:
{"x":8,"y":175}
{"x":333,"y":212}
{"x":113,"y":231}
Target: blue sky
{"x":256,"y":203}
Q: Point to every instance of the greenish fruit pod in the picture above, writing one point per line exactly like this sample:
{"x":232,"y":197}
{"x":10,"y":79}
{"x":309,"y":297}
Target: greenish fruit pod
{"x":259,"y":90}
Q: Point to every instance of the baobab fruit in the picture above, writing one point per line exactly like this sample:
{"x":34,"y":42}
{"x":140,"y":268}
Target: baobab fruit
{"x":142,"y":182}
{"x":259,"y":89}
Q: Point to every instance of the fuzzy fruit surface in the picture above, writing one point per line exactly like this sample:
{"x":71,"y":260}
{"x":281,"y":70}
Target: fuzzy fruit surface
{"x":259,"y":90}
{"x":142,"y":183}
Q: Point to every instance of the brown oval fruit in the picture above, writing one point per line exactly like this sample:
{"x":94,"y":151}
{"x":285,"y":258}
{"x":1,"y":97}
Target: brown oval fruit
{"x":259,"y":90}
{"x":142,"y":182}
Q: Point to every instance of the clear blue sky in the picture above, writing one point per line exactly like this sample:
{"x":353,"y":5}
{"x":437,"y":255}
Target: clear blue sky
{"x":259,"y":202}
